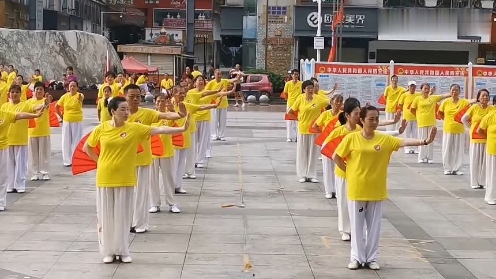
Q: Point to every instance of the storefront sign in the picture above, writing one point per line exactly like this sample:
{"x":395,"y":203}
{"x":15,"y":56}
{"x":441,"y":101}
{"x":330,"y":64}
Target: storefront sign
{"x":359,"y":22}
{"x":150,"y":49}
{"x":176,"y":19}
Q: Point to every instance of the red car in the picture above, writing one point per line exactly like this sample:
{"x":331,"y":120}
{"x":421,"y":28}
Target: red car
{"x":257,"y":82}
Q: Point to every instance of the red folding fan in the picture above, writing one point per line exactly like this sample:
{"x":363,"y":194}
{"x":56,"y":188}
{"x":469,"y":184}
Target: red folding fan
{"x":459,"y":115}
{"x":476,"y":135}
{"x":52,"y":114}
{"x":382,"y":100}
{"x":288,"y":116}
{"x":326,"y":132}
{"x":157,"y":145}
{"x":329,"y":149}
{"x":178,"y":139}
{"x":438,"y":117}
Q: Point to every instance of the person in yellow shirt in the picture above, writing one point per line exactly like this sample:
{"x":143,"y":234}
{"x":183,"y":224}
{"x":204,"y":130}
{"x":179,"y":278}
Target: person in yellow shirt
{"x":109,"y":81}
{"x":166,"y":83}
{"x":367,"y":154}
{"x":293,"y":90}
{"x":320,"y":124}
{"x":40,"y":151}
{"x":307,"y":108}
{"x":72,"y":121}
{"x":24,"y":88}
{"x":103,"y":113}
{"x":18,"y":140}
{"x":477,"y":152}
{"x":319,"y":91}
{"x":12,"y":75}
{"x":196,"y":72}
{"x":424,"y":109}
{"x":4,"y":93}
{"x":4,"y":75}
{"x":141,"y":216}
{"x":163,"y":164}
{"x":392,"y":94}
{"x":405,"y":103}
{"x":219,"y":115}
{"x":142,"y":82}
{"x":37,"y":76}
{"x":118,"y":139}
{"x":453,"y":132}
{"x":487,"y":129}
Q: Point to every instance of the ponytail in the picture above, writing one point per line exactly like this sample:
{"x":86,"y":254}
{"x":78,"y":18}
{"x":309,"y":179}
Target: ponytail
{"x":342,"y":118}
{"x":105,"y":102}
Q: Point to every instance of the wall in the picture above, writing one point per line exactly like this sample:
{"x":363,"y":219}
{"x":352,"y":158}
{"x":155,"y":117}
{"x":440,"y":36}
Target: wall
{"x":472,"y":48}
{"x":281,"y":54}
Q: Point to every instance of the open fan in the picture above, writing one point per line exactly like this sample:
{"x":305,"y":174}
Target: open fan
{"x":178,"y":139}
{"x":312,"y":129}
{"x":81,"y":162}
{"x":329,"y":149}
{"x":157,"y":145}
{"x":326,"y":132}
{"x":476,"y":135}
{"x":291,"y":117}
{"x":382,"y":100}
{"x":438,"y":117}
{"x":459,"y":115}
{"x":52,"y":114}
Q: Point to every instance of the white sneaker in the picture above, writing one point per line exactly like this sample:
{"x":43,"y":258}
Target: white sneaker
{"x":491,"y":202}
{"x":108,"y":259}
{"x":208,"y":155}
{"x":236,"y":105}
{"x":458,"y":173}
{"x":2,"y":208}
{"x":288,"y":140}
{"x":475,"y":187}
{"x":328,"y":196}
{"x":302,"y":180}
{"x":430,"y":161}
{"x":154,"y":209}
{"x":243,"y":105}
{"x":191,"y":176}
{"x":314,"y":180}
{"x":353,"y":265}
{"x":222,"y":139}
{"x":126,"y":259}
{"x":140,"y":230}
{"x":199,"y":165}
{"x":174,"y":209}
{"x":345,"y":237}
{"x":45,"y":177}
{"x":21,"y":191}
{"x":447,"y":173}
{"x":10,"y":190}
{"x":423,"y":161}
{"x":35,"y":177}
{"x":407,"y":151}
{"x":185,"y":176}
{"x":373,"y":266}
{"x":180,"y":191}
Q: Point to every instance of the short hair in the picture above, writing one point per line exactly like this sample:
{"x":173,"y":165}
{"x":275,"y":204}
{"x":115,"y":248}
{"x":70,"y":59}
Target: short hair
{"x":115,"y":102}
{"x":295,"y":71}
{"x":131,"y":87}
{"x":15,"y":87}
{"x":110,"y":74}
{"x":70,"y":68}
{"x":39,"y":84}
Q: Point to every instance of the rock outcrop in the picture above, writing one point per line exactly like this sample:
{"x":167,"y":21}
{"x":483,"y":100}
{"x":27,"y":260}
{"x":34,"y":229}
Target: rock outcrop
{"x":53,"y":51}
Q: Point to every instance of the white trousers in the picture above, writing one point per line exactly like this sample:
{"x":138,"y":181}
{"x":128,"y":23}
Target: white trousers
{"x":219,"y":122}
{"x":390,"y":116}
{"x":72,"y":133}
{"x":342,"y":203}
{"x":114,"y":211}
{"x":477,"y":156}
{"x":490,"y":178}
{"x":164,"y":166}
{"x":190,"y":156}
{"x":368,"y":214}
{"x":307,"y":154}
{"x":4,"y":162}
{"x":291,"y":128}
{"x":141,"y":217}
{"x":40,"y":155}
{"x":328,"y":167}
{"x":453,"y":148}
{"x":411,"y":131}
{"x":203,"y":140}
{"x":144,"y":87}
{"x":17,"y":167}
{"x":180,"y":159}
{"x":426,"y":152}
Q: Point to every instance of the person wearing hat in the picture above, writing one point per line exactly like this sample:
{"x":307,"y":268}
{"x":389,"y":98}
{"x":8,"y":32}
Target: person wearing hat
{"x":405,"y":103}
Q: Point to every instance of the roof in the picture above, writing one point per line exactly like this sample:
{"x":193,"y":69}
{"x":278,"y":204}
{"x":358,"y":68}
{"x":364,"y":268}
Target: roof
{"x":129,"y":64}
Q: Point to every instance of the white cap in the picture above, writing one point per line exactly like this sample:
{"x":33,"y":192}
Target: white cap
{"x":410,"y":83}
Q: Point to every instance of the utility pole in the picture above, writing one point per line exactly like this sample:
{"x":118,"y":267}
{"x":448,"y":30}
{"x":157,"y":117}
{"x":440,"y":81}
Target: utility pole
{"x":190,"y":27}
{"x":266,"y":33}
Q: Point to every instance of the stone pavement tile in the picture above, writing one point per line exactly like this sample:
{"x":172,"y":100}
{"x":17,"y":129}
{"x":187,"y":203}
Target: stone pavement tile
{"x":324,"y":272}
{"x":473,"y":254}
{"x":315,"y":222}
{"x":84,"y":246}
{"x":172,"y":245}
{"x":172,"y":229}
{"x":215,"y":272}
{"x":215,"y":248}
{"x":78,"y":218}
{"x":27,"y":269}
{"x":451,"y":268}
{"x":276,"y":249}
{"x":272,"y":230}
{"x":410,"y":273}
{"x":270,"y":221}
{"x":81,"y":271}
{"x":282,"y":272}
{"x":7,"y":239}
{"x":299,"y":260}
{"x":263,"y":239}
{"x":465,"y":243}
{"x":56,"y":246}
{"x":442,"y":229}
{"x":50,"y":236}
{"x":50,"y":227}
{"x":20,"y":219}
{"x":32,"y":263}
{"x":235,"y":260}
{"x":217,"y":238}
{"x":480,"y":268}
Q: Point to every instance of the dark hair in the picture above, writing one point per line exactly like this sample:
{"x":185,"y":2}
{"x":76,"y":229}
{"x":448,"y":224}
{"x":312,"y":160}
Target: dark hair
{"x":364,"y":110}
{"x":20,"y":76}
{"x":110,"y":74}
{"x":200,"y":76}
{"x":295,"y":71}
{"x":37,"y":70}
{"x":120,"y":73}
{"x":114,"y":103}
{"x":130,"y":87}
{"x":455,"y":85}
{"x":75,"y":81}
{"x":394,"y":76}
{"x":424,"y":85}
{"x":11,"y":65}
{"x":190,"y":76}
{"x":39,"y":84}
{"x":314,"y":79}
{"x":349,"y":105}
{"x":70,"y":68}
{"x":105,"y":102}
{"x":305,"y":84}
{"x":15,"y":87}
{"x":195,"y":67}
{"x":480,"y":93}
{"x":494,"y":100}
{"x":161,"y":95}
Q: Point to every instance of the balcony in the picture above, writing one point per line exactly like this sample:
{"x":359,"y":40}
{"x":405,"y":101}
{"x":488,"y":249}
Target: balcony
{"x":450,"y":4}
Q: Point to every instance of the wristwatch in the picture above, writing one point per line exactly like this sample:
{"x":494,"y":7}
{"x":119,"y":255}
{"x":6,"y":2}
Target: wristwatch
{"x":425,"y":142}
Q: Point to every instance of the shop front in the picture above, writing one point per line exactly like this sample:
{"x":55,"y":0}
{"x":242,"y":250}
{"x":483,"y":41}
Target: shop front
{"x":13,"y":15}
{"x":358,"y":28}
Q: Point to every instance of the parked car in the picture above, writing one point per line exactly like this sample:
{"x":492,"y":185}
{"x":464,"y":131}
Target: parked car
{"x":256,"y":84}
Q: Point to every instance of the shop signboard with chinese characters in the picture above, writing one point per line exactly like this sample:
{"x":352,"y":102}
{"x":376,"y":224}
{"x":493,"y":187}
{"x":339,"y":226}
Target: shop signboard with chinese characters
{"x":440,"y":76}
{"x":176,"y":19}
{"x":363,"y":81}
{"x":484,"y":77}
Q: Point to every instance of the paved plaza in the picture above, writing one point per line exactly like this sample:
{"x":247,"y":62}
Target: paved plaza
{"x":246,"y":216}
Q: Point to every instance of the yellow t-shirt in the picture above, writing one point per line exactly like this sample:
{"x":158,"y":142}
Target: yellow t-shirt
{"x":11,"y":78}
{"x":104,"y":113}
{"x":4,"y":93}
{"x":192,"y":109}
{"x":196,"y":74}
{"x":336,"y":133}
{"x":42,"y":128}
{"x":293,"y":89}
{"x":36,"y":78}
{"x":450,"y":110}
{"x":406,"y":100}
{"x":308,"y":112}
{"x":193,"y":97}
{"x":488,"y":123}
{"x":73,"y":107}
{"x":4,"y":76}
{"x":115,"y":88}
{"x":166,"y":139}
{"x":392,"y":97}
{"x":24,"y":92}
{"x":121,"y":89}
{"x":118,"y":147}
{"x":205,"y":115}
{"x":476,"y":113}
{"x":167,"y":84}
{"x":141,"y":80}
{"x":6,"y":119}
{"x":426,"y":110}
{"x":215,"y":85}
{"x":325,"y":118}
{"x":367,"y":163}
{"x":146,"y":117}
{"x":18,"y":131}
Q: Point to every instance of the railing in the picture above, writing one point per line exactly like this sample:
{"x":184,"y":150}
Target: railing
{"x":454,"y":4}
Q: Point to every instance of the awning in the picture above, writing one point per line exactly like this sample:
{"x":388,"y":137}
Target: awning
{"x":129,"y":64}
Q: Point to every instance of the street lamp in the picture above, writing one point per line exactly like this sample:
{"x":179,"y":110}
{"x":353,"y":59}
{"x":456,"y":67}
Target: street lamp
{"x":101,"y":19}
{"x":319,"y":22}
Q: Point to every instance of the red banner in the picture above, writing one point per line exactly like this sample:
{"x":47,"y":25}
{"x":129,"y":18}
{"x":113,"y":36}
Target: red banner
{"x":351,"y":69}
{"x":430,"y":70}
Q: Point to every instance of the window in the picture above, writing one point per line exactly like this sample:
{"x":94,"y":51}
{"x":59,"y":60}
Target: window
{"x":254,"y":78}
{"x":277,"y":11}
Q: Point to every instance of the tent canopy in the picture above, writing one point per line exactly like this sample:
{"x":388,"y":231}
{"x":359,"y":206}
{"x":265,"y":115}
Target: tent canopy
{"x":129,"y":64}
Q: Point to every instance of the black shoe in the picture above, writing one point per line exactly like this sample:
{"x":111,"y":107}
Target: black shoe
{"x":132,"y":230}
{"x":333,"y":195}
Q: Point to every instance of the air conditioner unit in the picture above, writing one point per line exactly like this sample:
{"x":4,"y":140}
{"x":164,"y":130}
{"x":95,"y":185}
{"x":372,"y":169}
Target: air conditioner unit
{"x":234,"y":2}
{"x":430,"y":3}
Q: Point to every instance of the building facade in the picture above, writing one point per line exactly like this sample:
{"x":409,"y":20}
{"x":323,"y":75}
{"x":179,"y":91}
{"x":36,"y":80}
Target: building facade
{"x":14,"y":14}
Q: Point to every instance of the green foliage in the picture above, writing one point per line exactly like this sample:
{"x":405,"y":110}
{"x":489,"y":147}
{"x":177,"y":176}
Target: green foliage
{"x":277,"y":80}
